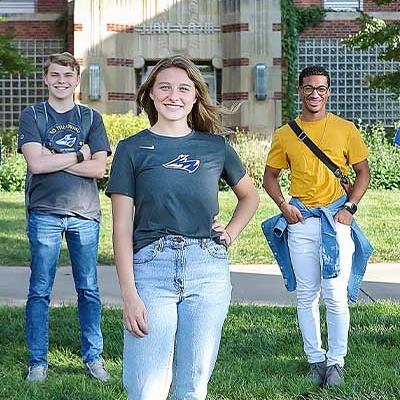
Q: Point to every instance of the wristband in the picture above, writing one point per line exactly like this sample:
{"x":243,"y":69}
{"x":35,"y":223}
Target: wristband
{"x":79,"y":156}
{"x":350,"y":207}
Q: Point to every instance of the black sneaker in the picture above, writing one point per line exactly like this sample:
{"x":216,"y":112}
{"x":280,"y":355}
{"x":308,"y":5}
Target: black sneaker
{"x":316,"y":372}
{"x":334,"y":375}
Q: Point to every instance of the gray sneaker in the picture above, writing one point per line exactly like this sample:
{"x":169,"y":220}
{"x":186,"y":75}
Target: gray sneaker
{"x":97,"y":370}
{"x":334,"y":375}
{"x":36,"y":373}
{"x":316,"y":372}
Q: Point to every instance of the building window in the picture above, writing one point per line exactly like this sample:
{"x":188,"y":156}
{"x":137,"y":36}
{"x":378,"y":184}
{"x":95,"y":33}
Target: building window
{"x":343,"y":5}
{"x":351,"y":97}
{"x":17,"y":6}
{"x":17,"y":92}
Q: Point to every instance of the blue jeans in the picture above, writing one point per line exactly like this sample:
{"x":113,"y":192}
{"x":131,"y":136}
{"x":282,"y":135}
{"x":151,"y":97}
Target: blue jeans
{"x":45,"y":233}
{"x":185,"y":286}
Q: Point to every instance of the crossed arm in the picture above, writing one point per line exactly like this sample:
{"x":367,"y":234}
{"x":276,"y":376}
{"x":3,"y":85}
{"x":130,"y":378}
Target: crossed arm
{"x":41,"y":161}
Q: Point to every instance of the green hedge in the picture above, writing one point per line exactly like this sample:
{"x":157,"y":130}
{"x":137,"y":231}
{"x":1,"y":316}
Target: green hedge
{"x":120,"y":126}
{"x":384,"y":158}
{"x":12,"y":173}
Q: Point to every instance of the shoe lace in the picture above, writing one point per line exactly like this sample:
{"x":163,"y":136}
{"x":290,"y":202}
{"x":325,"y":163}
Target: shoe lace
{"x":338,"y":369}
{"x":38,"y":368}
{"x":97,"y":365}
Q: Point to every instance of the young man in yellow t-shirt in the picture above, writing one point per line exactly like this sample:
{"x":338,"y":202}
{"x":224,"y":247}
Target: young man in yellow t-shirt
{"x":316,"y":187}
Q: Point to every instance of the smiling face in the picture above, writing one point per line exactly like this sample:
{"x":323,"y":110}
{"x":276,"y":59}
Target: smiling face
{"x":314,"y":103}
{"x":61,"y":81}
{"x":173,"y":94}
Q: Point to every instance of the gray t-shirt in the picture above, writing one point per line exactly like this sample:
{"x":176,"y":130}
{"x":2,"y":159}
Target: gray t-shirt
{"x":60,"y":192}
{"x":174,"y":182}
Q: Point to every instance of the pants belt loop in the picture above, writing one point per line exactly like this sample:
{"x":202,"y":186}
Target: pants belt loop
{"x":160,"y":244}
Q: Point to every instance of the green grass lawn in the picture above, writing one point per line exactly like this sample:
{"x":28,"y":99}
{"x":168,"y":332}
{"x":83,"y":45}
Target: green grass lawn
{"x":261,"y":357}
{"x":378,"y":215}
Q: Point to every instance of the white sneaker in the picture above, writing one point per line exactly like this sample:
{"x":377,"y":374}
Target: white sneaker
{"x":36,"y":373}
{"x":96,"y":370}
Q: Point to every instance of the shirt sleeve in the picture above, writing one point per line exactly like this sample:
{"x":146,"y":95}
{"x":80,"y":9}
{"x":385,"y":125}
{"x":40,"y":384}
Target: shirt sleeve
{"x":357,"y":150}
{"x":233,"y":170}
{"x":276,"y":156}
{"x":122,"y":176}
{"x":97,"y":138}
{"x":28,"y":131}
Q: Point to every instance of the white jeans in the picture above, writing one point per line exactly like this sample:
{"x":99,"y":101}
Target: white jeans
{"x":305,"y":253}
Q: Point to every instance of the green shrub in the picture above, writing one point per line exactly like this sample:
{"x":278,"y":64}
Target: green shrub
{"x":13,"y":166}
{"x":384,"y":157}
{"x":253,"y":151}
{"x":12,"y":172}
{"x":120,"y":126}
{"x":9,"y":138}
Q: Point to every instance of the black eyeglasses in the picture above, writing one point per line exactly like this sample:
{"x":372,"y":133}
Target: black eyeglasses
{"x":321,"y":90}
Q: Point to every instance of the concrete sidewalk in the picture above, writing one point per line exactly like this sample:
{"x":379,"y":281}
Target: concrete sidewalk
{"x":260,"y":284}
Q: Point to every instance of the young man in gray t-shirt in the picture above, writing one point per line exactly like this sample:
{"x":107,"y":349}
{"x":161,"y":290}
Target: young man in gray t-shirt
{"x":65,"y":147}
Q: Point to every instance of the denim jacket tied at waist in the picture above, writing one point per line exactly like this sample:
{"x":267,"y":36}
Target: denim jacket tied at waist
{"x":276,"y":233}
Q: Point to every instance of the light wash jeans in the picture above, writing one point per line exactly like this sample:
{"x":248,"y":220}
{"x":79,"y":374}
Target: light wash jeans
{"x":305,"y":253}
{"x":45,"y":233}
{"x":185,"y":286}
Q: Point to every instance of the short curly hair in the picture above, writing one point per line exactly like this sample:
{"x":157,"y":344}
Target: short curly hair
{"x":312,"y":71}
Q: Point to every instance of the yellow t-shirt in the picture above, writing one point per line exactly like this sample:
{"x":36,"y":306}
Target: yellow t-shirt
{"x":311,"y":181}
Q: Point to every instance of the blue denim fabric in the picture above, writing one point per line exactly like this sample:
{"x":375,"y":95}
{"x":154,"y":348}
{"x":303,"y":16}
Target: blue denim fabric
{"x":45,"y":233}
{"x":185,"y":286}
{"x":275,"y":231}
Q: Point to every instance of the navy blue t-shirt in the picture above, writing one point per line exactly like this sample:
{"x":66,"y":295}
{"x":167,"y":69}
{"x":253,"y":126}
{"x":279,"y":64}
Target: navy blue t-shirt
{"x":174,"y":182}
{"x":60,"y":192}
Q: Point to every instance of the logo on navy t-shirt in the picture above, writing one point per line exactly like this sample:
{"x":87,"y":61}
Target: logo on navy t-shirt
{"x":181,"y":162}
{"x":64,"y":138}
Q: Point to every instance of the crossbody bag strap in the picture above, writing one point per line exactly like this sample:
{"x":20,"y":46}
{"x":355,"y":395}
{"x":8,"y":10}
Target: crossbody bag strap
{"x":316,"y":150}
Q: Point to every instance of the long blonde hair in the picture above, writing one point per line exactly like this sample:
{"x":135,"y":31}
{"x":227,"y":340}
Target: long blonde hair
{"x":205,"y":116}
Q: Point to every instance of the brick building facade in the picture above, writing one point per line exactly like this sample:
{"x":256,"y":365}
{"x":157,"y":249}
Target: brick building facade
{"x":39,"y":28}
{"x":228,"y":39}
{"x":350,"y":95}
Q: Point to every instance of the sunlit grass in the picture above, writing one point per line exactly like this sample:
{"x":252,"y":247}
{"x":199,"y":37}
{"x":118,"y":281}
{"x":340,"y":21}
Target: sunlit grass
{"x":261,"y":357}
{"x":378,"y":216}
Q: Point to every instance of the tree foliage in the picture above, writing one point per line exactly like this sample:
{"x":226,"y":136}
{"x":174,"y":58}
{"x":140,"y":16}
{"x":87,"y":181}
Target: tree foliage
{"x":11,"y":60}
{"x":377,"y":32}
{"x":294,"y":20}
